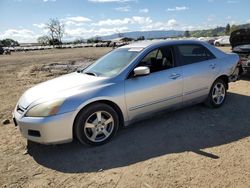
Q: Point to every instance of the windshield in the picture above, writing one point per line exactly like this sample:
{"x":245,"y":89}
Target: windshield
{"x":112,"y":63}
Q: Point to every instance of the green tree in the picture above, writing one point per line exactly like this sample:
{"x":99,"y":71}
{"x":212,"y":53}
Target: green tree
{"x":90,"y":40}
{"x":55,"y":42}
{"x":94,"y":40}
{"x":44,"y":40}
{"x":79,"y":41}
{"x":233,"y":28}
{"x":127,"y":39}
{"x":227,"y":29}
{"x":187,"y":34}
{"x":9,"y":42}
{"x":141,"y":38}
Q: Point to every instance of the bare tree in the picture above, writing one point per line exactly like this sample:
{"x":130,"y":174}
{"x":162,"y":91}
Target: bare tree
{"x":56,"y":30}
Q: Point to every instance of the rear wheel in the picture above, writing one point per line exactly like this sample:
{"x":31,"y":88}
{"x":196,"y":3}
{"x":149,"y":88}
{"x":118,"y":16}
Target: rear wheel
{"x":217,"y":95}
{"x":96,"y":124}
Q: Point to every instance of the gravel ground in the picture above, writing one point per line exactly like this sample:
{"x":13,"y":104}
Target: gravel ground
{"x":192,"y":147}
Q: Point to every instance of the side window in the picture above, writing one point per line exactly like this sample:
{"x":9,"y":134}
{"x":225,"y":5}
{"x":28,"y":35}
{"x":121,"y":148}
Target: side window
{"x":194,"y":53}
{"x":157,"y":60}
{"x":159,"y":55}
{"x":147,"y":60}
{"x":210,"y":55}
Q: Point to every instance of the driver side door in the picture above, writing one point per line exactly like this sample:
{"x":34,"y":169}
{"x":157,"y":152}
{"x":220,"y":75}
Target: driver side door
{"x":159,"y":90}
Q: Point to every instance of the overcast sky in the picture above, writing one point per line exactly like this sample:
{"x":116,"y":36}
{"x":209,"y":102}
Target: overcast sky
{"x":24,"y":20}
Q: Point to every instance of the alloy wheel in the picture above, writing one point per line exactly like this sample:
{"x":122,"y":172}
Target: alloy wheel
{"x":99,"y":126}
{"x":218,"y":93}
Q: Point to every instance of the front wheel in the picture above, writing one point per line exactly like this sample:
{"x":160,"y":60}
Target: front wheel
{"x":217,"y":95}
{"x":96,"y":124}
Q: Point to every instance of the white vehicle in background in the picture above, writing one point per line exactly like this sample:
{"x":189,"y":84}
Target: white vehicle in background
{"x":222,"y":41}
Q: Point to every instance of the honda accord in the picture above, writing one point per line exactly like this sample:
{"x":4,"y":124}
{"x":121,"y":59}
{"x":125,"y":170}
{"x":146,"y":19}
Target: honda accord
{"x":123,"y":86}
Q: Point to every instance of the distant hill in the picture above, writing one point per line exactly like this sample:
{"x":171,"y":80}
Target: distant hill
{"x":146,"y":34}
{"x":208,"y":32}
{"x":219,"y":31}
{"x":216,"y":31}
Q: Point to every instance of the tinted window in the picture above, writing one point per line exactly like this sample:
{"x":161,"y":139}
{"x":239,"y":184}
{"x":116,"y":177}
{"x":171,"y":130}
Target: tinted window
{"x":159,"y":59}
{"x":194,"y":53}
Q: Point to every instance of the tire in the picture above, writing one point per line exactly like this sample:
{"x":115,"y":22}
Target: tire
{"x":96,"y":124}
{"x":217,"y":44}
{"x":217,"y":94}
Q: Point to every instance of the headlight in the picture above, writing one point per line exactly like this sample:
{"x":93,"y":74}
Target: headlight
{"x":45,"y":109}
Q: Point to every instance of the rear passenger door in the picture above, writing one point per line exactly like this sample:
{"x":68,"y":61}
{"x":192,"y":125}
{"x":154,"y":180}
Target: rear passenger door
{"x":198,"y":68}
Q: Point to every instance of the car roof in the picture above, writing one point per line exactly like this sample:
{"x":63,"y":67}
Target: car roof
{"x":148,"y":43}
{"x":139,"y":46}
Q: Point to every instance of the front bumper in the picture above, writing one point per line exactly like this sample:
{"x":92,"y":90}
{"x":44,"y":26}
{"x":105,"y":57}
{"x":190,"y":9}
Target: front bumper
{"x":46,"y":130}
{"x":236,"y":74}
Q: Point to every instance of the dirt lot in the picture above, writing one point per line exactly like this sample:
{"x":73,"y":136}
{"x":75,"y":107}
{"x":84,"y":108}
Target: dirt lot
{"x":192,"y":147}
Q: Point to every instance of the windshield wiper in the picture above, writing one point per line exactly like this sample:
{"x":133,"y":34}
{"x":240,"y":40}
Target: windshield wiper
{"x":90,"y":73}
{"x":80,"y":70}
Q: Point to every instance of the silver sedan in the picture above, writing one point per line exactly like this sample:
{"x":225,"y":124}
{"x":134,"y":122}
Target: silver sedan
{"x":127,"y":84}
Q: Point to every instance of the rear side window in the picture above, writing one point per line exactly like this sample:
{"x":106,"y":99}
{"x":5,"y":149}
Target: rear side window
{"x":194,"y":53}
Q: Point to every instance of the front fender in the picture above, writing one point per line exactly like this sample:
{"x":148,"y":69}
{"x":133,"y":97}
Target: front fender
{"x":113,"y":93}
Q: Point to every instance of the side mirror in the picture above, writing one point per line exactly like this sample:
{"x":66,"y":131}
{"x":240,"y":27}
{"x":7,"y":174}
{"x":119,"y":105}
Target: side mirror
{"x":141,"y":71}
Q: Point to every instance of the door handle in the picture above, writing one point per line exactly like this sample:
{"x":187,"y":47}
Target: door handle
{"x":212,"y":66}
{"x":174,"y":76}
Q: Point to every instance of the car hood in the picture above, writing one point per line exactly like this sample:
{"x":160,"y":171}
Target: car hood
{"x":240,"y":37}
{"x":63,"y":86}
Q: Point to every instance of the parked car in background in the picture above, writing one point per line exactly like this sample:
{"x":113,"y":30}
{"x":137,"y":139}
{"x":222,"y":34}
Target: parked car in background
{"x":127,"y":84}
{"x":209,"y":40}
{"x":7,"y":52}
{"x":240,"y":42}
{"x":222,"y":41}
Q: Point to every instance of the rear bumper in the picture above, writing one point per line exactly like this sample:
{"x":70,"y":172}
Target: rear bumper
{"x":236,"y":74}
{"x":46,"y":130}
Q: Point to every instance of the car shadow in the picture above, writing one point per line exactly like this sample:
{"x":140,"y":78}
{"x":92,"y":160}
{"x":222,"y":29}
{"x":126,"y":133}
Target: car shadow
{"x":190,"y":129}
{"x":245,"y":77}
